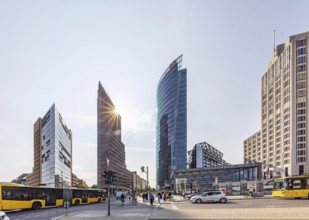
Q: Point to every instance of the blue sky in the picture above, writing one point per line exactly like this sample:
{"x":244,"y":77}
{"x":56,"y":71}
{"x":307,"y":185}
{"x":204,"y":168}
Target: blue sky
{"x":57,"y":51}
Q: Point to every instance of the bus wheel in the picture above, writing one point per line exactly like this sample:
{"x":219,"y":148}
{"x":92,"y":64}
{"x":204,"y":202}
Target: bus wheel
{"x":77,"y":202}
{"x":36,"y":205}
{"x":99,"y":200}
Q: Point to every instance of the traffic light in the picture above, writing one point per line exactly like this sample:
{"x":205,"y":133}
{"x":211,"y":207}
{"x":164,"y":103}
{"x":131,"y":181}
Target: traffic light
{"x":112,"y":176}
{"x":106,"y":175}
{"x":143,"y":169}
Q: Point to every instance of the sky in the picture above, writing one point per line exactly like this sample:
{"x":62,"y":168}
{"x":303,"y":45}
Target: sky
{"x":58,"y":51}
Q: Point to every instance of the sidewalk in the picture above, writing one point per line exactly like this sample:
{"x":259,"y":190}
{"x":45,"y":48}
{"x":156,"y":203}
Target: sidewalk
{"x":138,"y":214}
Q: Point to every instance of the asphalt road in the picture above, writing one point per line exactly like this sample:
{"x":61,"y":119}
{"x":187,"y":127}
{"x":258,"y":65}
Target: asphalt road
{"x":48,"y":213}
{"x":247,"y":203}
{"x":169,"y":210}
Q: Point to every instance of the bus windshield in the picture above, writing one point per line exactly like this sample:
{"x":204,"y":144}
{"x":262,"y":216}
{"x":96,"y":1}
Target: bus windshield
{"x":278,"y":185}
{"x":282,"y":184}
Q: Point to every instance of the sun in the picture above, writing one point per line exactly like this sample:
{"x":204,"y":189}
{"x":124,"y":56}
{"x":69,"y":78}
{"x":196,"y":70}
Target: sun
{"x":118,"y":110}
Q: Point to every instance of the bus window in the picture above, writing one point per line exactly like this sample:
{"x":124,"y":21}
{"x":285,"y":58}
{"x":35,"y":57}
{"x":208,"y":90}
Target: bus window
{"x":278,"y":185}
{"x":296,"y":184}
{"x":285,"y":184}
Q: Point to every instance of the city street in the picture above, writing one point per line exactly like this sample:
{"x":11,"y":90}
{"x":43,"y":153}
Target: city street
{"x":94,"y":211}
{"x":236,"y":208}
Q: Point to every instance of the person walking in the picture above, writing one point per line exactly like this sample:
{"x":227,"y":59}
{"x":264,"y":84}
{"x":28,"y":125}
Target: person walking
{"x":151,"y":198}
{"x":159,"y":197}
{"x":164,"y":197}
{"x":146,"y":196}
{"x":122,"y":199}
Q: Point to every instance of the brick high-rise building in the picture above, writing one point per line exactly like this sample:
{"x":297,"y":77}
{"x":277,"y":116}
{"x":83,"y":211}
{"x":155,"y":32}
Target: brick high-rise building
{"x":111,"y":150}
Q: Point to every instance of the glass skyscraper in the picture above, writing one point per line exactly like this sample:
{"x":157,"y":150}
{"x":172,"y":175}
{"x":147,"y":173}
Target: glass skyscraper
{"x":171,"y":128}
{"x":56,"y":150}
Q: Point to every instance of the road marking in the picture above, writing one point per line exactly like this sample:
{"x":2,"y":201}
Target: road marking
{"x":174,"y":207}
{"x":270,"y":206}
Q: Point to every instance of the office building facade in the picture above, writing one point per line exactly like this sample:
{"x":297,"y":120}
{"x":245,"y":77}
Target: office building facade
{"x":171,"y":126}
{"x":284,"y":109}
{"x":111,"y":150}
{"x":56,"y":150}
{"x":35,"y":178}
{"x":203,"y":179}
{"x":205,"y":155}
{"x":252,"y":148}
{"x":52,"y":151}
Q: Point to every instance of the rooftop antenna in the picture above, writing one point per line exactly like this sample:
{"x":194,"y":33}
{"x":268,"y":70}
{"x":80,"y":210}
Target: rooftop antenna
{"x":274,"y":42}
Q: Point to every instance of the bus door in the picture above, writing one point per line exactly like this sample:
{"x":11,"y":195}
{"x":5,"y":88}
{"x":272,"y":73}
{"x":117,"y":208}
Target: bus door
{"x":50,"y":197}
{"x":84,"y":196}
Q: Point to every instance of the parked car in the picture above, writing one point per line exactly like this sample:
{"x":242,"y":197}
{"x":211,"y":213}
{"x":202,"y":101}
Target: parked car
{"x":3,"y":216}
{"x":211,"y":196}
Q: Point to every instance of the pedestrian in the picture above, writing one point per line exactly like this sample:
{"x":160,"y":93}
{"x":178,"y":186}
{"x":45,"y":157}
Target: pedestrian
{"x":146,"y":196}
{"x":151,"y":198}
{"x":122,"y":198}
{"x":159,"y":197}
{"x":164,"y":197}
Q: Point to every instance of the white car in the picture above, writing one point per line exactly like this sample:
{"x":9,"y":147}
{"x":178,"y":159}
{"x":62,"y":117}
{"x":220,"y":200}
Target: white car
{"x":3,"y":216}
{"x":211,"y":196}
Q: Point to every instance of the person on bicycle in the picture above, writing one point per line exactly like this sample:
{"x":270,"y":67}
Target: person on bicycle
{"x":251,"y":192}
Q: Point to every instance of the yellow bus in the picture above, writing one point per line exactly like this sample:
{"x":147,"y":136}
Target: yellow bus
{"x":291,"y":187}
{"x":15,"y":196}
{"x":80,"y":196}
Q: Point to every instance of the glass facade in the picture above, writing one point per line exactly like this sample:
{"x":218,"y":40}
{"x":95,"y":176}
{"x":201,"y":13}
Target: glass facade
{"x":199,"y":157}
{"x":56,"y":150}
{"x":205,"y":178}
{"x":171,"y":135}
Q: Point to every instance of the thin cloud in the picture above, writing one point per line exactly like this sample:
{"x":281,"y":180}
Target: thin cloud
{"x":81,"y":118}
{"x":140,"y":149}
{"x":87,"y":145}
{"x":138,"y":121}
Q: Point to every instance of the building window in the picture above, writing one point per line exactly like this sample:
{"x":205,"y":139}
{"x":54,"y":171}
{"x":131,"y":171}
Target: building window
{"x":301,"y":59}
{"x":301,"y":43}
{"x":301,"y":169}
{"x":301,"y":51}
{"x":301,"y":68}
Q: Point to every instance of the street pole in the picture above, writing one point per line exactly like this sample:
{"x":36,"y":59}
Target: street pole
{"x":109,"y":201}
{"x":147,"y":178}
